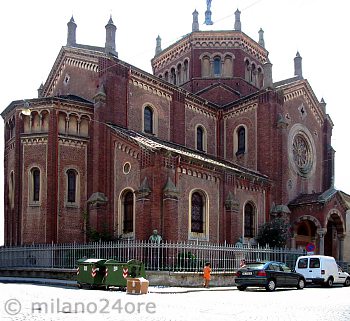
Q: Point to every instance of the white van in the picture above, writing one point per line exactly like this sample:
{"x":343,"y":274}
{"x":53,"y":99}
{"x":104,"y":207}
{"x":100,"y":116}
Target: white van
{"x":321,"y":269}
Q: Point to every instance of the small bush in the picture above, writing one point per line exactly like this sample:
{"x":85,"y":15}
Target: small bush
{"x":274,"y":233}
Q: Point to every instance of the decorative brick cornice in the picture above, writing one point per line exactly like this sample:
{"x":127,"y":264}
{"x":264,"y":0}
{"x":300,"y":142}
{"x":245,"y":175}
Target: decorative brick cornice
{"x":151,"y":88}
{"x":34,"y":140}
{"x":178,"y":50}
{"x":210,"y":40}
{"x":304,"y":91}
{"x":200,"y":110}
{"x":241,"y":109}
{"x":77,"y":58}
{"x":70,"y":141}
{"x":196,"y":173}
{"x":134,"y":153}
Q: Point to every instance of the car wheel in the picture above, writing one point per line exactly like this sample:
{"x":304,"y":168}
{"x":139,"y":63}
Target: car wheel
{"x":241,"y":287}
{"x":329,"y":283}
{"x":301,"y":284}
{"x":347,"y":282}
{"x":271,"y":285}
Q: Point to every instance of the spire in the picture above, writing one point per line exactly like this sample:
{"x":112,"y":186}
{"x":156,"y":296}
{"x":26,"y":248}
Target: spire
{"x":208,"y":21}
{"x":159,"y":45}
{"x":323,"y":105}
{"x":71,"y":37}
{"x":268,"y":82}
{"x":110,"y":37}
{"x":298,"y":70}
{"x":261,"y":38}
{"x":238,"y":26}
{"x":195,"y":24}
{"x":40,"y":90}
{"x":170,"y":190}
{"x":144,"y":190}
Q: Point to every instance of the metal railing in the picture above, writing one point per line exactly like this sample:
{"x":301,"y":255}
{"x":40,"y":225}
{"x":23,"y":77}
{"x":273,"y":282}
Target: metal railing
{"x":165,"y":256}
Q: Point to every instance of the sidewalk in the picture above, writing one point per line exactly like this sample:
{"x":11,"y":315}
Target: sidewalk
{"x":151,"y":289}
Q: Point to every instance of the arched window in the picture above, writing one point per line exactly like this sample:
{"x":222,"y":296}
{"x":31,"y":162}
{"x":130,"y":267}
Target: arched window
{"x":179,"y":74}
{"x":200,"y":138}
{"x":11,"y":194}
{"x":148,"y":120}
{"x":249,"y":220}
{"x":253,"y":74}
{"x":205,"y":66}
{"x":36,"y":122}
{"x":217,"y":66}
{"x":128,"y":212}
{"x":197,"y":213}
{"x":260,"y":78}
{"x":241,"y":141}
{"x":71,"y":185}
{"x":228,"y":67}
{"x":35,"y":181}
{"x":247,"y":70}
{"x":185,"y":78}
{"x":173,"y":76}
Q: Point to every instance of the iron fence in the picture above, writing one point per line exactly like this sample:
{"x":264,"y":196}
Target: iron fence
{"x":165,"y":256}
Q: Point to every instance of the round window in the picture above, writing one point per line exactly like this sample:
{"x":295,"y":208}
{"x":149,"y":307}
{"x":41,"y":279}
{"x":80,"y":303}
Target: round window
{"x":126,"y":168}
{"x":302,"y":154}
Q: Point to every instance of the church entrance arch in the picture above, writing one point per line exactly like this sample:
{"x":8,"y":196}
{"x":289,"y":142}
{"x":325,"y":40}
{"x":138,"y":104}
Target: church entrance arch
{"x":334,"y":235}
{"x":305,"y":231}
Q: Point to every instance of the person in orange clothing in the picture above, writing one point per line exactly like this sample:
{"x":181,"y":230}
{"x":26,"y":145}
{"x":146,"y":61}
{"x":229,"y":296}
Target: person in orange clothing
{"x":206,"y":274}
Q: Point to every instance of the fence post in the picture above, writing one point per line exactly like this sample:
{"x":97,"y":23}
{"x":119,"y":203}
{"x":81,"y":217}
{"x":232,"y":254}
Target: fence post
{"x":52,"y":254}
{"x":74,"y":254}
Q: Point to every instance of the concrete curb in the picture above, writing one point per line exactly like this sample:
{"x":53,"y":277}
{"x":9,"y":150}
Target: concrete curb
{"x":74,"y":284}
{"x":66,"y":283}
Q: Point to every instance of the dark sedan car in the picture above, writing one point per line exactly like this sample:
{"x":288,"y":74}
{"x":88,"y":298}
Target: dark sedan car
{"x":268,"y":275}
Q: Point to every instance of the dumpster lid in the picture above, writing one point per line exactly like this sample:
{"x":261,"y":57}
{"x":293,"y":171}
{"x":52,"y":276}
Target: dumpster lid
{"x":112,"y":261}
{"x":93,"y":260}
{"x":133,"y":261}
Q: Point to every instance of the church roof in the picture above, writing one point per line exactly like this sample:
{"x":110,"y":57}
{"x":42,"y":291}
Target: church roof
{"x":288,"y":81}
{"x":155,"y":144}
{"x":321,"y":197}
{"x":64,"y":98}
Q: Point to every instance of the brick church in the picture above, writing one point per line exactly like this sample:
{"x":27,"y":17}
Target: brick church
{"x":206,"y":148}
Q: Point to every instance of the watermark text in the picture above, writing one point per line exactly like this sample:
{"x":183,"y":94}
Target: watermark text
{"x":100,"y":306}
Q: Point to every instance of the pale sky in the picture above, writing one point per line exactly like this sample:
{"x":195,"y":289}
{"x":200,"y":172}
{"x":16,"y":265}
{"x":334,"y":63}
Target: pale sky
{"x":32,"y":33}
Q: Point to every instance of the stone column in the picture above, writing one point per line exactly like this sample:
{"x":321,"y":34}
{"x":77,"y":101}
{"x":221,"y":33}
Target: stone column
{"x":341,"y":247}
{"x":293,"y":241}
{"x":170,"y":223}
{"x":233,"y":231}
{"x":321,"y":233}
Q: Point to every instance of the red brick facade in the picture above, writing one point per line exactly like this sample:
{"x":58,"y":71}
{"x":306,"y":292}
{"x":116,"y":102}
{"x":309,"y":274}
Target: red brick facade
{"x":90,"y":119}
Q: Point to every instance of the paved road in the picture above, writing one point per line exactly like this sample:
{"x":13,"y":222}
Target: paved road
{"x":38,"y":302}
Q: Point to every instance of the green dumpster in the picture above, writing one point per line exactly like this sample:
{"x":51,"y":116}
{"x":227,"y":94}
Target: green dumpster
{"x":90,"y":272}
{"x":117,"y":272}
{"x":136,"y":269}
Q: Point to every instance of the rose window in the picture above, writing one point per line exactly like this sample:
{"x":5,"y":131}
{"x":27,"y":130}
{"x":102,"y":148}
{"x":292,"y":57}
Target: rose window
{"x":302,"y":154}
